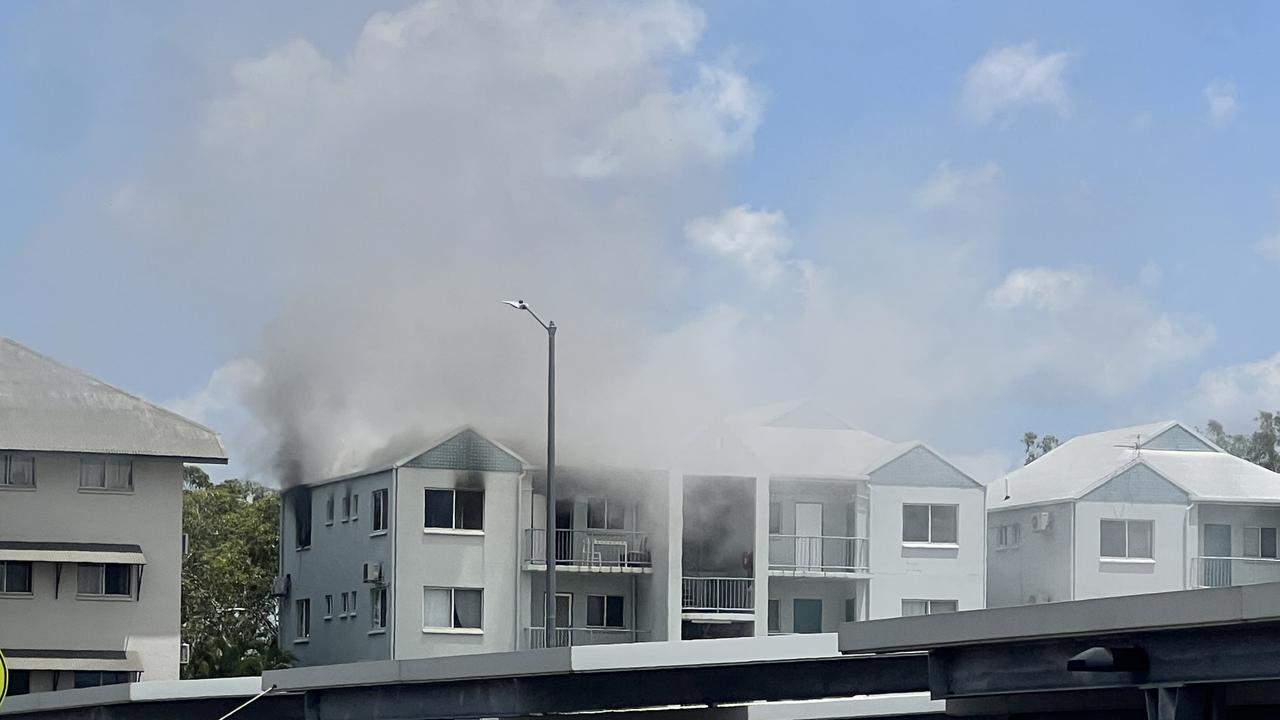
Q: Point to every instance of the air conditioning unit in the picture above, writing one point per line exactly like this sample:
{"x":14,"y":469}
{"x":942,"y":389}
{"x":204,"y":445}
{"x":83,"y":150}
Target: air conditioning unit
{"x":373,"y":572}
{"x":184,"y":654}
{"x":280,"y":586}
{"x":1041,"y":521}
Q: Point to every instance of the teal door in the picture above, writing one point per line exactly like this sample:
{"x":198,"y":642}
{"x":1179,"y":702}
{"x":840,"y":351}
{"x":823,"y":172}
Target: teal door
{"x":806,"y":616}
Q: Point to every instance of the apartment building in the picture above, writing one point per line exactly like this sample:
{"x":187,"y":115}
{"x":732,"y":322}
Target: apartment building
{"x":775,"y":522}
{"x":90,"y":526}
{"x":1140,"y":509}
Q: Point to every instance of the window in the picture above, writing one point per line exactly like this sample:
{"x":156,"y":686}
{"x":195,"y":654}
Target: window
{"x":378,"y":605}
{"x":454,"y":509}
{"x":303,"y":622}
{"x":451,"y":608}
{"x":19,"y":682}
{"x":775,"y":616}
{"x":379,"y":510}
{"x":328,"y":509}
{"x":103,"y":580}
{"x":353,"y":603}
{"x":96,"y":678}
{"x":605,"y":514}
{"x":1008,"y":536}
{"x":564,"y":610}
{"x":346,"y":506}
{"x":775,"y":518}
{"x":15,"y":577}
{"x":106,"y":473}
{"x":355,"y":506}
{"x":302,"y":518}
{"x":17,"y":471}
{"x":930,"y":524}
{"x":851,"y":610}
{"x":345,"y":606}
{"x":328,"y":607}
{"x":1260,"y":542}
{"x":912,"y":608}
{"x":1125,"y":539}
{"x":605,"y":611}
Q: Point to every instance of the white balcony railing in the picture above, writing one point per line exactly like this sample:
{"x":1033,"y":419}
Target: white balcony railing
{"x":591,"y":548}
{"x":717,"y":594}
{"x":818,"y":553}
{"x":1209,"y":572}
{"x":536,"y":638}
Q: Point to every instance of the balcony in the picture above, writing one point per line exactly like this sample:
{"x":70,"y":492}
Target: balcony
{"x":1211,"y":572}
{"x":717,"y":595}
{"x":621,"y":551}
{"x":536,"y":638}
{"x":818,"y":556}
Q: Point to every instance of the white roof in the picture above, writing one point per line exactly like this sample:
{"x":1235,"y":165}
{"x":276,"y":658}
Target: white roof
{"x":48,"y":406}
{"x":790,"y":439}
{"x":1085,"y":462}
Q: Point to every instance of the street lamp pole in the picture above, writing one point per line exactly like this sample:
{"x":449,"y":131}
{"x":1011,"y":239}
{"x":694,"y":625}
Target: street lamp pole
{"x":549,"y":609}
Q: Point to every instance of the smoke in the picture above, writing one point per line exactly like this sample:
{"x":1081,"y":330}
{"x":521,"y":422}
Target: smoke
{"x":368,"y":210}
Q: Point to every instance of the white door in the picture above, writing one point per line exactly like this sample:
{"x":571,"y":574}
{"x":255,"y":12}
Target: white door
{"x":809,"y":535}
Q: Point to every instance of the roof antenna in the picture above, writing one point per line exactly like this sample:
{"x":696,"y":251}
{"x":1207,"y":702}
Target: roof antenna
{"x":1136,"y":447}
{"x":1006,"y":487}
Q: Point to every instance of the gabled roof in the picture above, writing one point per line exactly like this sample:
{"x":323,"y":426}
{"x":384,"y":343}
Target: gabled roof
{"x":1085,"y":462}
{"x":799,"y":439}
{"x":465,"y":438}
{"x":48,"y":406}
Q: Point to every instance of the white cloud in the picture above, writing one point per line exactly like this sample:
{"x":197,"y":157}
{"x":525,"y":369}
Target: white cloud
{"x":1220,"y":96}
{"x":1269,"y":247}
{"x":1234,"y":394}
{"x":950,"y":187}
{"x":1010,"y":78}
{"x":757,"y":240}
{"x":1040,"y":287}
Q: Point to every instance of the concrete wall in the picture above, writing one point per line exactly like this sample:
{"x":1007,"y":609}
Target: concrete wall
{"x":334,"y":565}
{"x":899,"y":572}
{"x":58,"y":510}
{"x":1039,"y":566}
{"x":459,"y":559}
{"x":1097,"y":577}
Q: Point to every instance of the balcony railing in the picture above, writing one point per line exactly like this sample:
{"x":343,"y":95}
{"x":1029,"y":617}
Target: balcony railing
{"x":817,"y":553}
{"x":536,"y":638}
{"x":1209,"y":572}
{"x":717,"y":594}
{"x":605,"y":549}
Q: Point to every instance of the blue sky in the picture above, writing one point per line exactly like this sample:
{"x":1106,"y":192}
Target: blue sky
{"x":960,"y":221}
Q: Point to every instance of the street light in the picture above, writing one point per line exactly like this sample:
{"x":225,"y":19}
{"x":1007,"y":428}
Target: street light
{"x":549,"y":609}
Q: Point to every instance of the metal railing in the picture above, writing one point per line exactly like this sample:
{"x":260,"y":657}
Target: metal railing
{"x":591,"y":548}
{"x":536,"y":638}
{"x":717,"y":594}
{"x":818,"y":553}
{"x":1210,"y":572}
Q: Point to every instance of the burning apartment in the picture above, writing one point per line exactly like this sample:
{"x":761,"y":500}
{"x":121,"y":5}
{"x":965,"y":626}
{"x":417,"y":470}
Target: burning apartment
{"x":781,"y":521}
{"x":90,"y":527}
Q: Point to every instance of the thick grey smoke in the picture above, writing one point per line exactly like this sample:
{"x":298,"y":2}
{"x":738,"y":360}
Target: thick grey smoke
{"x":375,"y":207}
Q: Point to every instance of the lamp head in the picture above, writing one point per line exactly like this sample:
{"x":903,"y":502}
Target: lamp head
{"x":517,"y":304}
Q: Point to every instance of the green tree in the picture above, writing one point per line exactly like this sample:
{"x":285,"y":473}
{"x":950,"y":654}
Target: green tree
{"x":1261,"y":447}
{"x":1037,"y":446}
{"x":228,"y":612}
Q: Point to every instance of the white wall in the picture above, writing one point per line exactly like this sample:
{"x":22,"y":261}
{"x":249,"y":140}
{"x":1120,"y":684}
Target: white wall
{"x":899,"y":572}
{"x":1096,"y":577}
{"x":457,"y":559}
{"x":59,"y":511}
{"x":1039,"y":566}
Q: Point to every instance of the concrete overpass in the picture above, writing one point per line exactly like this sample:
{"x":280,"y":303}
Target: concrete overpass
{"x":1170,"y":656}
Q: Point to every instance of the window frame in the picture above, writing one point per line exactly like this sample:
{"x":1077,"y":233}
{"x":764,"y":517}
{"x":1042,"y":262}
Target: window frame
{"x":302,"y":621}
{"x":1257,"y":531}
{"x":377,"y":609}
{"x":381,"y":510}
{"x":929,"y":606}
{"x":328,"y":508}
{"x":455,"y":509}
{"x":102,"y":594}
{"x":929,"y":527}
{"x":6,"y":471}
{"x":4,"y":578}
{"x":108,"y":462}
{"x":453,"y":611}
{"x":604,"y":612}
{"x":355,"y":506}
{"x":609,"y":505}
{"x":345,"y":607}
{"x":1128,"y":556}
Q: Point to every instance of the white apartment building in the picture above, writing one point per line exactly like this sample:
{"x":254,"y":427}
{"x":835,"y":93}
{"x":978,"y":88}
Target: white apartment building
{"x":1141,"y":509}
{"x":783,"y":521}
{"x":90,"y":526}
